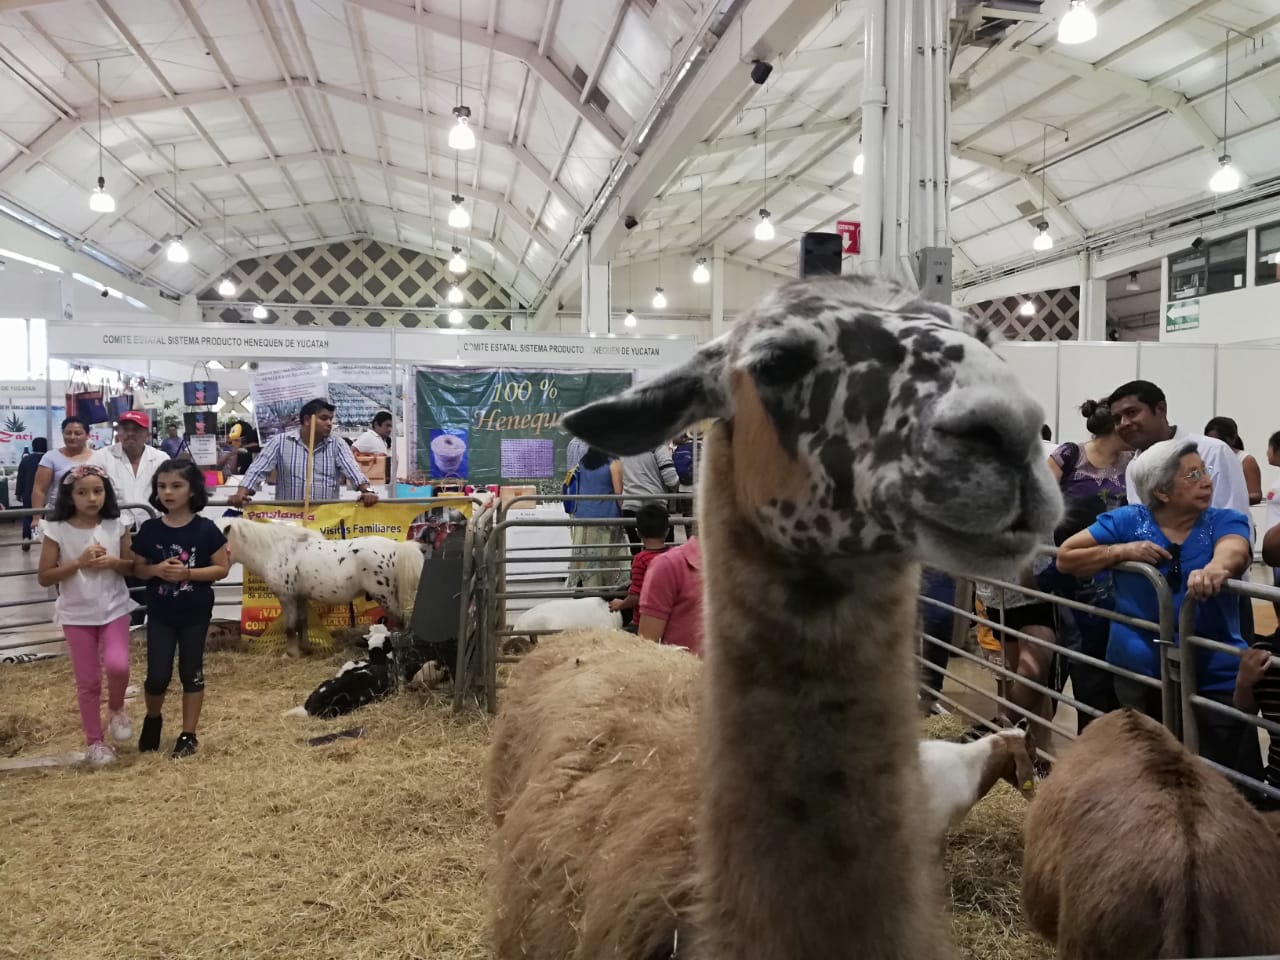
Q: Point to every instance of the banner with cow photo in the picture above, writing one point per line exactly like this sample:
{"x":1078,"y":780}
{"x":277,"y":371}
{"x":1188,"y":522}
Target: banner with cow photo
{"x":489,"y":426}
{"x":426,"y":524}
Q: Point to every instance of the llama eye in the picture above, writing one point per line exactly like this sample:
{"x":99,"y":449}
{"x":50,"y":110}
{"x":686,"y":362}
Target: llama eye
{"x":784,"y":364}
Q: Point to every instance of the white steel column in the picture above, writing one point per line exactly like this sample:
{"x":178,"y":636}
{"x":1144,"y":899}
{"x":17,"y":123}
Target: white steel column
{"x":1092,"y":320}
{"x":595,"y":292}
{"x":717,"y":290}
{"x":873,"y":134}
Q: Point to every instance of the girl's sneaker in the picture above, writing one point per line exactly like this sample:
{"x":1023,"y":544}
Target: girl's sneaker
{"x":185,"y":745}
{"x":99,"y":754}
{"x":149,"y":741}
{"x":119,"y":727}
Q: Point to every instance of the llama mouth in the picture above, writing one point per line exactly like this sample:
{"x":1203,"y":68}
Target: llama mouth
{"x":988,"y":551}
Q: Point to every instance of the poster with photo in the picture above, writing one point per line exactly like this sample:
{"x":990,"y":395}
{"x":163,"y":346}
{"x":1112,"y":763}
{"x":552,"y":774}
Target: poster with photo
{"x":359,"y":391}
{"x":279,"y":393}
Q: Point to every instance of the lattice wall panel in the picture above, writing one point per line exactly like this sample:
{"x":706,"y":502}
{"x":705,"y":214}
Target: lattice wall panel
{"x":359,"y":283}
{"x":1057,"y":315}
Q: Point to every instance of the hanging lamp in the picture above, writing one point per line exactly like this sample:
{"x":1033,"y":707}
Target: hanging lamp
{"x":226,"y":288}
{"x":860,"y":161}
{"x":100,"y":201}
{"x":1226,"y":178}
{"x":1043,"y":240}
{"x":259,"y":312}
{"x":1028,"y":308}
{"x":176,"y":252}
{"x":659,"y":295}
{"x":700,"y":272}
{"x":630,"y":319}
{"x":461,"y":136}
{"x":457,"y":263}
{"x":459,"y":219}
{"x":764,"y":229}
{"x":455,"y":294}
{"x":455,"y":317}
{"x":1078,"y":24}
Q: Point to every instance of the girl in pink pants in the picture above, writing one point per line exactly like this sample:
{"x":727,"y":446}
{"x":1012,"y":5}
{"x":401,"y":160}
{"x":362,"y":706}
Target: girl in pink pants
{"x":86,"y":551}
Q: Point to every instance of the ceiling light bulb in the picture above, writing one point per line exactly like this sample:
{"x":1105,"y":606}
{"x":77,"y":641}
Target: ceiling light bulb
{"x":1133,"y":286}
{"x":455,"y":317}
{"x":461,"y":136}
{"x":859,"y":162}
{"x":226,"y":288}
{"x":259,"y":312}
{"x":459,"y":219}
{"x":100,"y":201}
{"x":455,"y":294}
{"x":1078,"y":24}
{"x":659,"y":299}
{"x":176,"y":252}
{"x":457,"y":264}
{"x":1028,"y":309}
{"x":1043,"y":240}
{"x":1227,"y":177}
{"x":764,"y":229}
{"x":700,"y":272}
{"x":630,"y":319}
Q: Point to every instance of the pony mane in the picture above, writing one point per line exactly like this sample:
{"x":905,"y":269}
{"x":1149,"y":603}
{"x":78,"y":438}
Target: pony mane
{"x":256,"y":536}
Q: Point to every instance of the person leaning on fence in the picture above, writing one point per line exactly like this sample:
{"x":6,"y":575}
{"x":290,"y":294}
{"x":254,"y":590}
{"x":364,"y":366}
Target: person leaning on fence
{"x":1195,"y":547}
{"x":598,"y":474}
{"x":287,"y":454}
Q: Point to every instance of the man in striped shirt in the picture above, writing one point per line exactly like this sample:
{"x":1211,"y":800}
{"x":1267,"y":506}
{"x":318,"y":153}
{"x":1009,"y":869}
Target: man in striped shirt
{"x":286,"y":454}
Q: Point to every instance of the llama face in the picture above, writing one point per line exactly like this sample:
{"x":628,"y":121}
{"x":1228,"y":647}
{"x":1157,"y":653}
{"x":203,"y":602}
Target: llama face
{"x":864,"y":420}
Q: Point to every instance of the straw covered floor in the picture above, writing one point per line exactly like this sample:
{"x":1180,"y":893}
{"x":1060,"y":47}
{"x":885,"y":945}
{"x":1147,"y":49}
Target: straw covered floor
{"x":264,"y":847}
{"x":260,"y":846}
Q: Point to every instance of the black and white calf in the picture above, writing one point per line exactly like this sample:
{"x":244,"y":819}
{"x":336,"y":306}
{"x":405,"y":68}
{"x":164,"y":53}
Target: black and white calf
{"x":362,"y":682}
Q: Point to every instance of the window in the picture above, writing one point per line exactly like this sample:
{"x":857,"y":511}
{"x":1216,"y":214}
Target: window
{"x":1227,"y":258}
{"x":1188,"y":274}
{"x":1268,"y":266}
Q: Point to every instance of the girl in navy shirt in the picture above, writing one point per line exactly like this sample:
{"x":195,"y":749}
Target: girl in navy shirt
{"x":179,"y":554}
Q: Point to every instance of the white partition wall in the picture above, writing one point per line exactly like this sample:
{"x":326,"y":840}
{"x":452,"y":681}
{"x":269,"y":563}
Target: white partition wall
{"x":1245,"y":379}
{"x":1036,"y":367}
{"x":1187,"y":374}
{"x":1089,"y":371}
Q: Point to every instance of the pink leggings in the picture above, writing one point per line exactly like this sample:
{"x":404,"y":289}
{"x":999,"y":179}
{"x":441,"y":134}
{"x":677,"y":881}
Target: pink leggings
{"x":94,"y":650}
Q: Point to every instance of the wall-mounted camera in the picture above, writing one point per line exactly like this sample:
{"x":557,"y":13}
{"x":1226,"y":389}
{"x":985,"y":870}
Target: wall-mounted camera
{"x":760,"y":70}
{"x":630,"y":222}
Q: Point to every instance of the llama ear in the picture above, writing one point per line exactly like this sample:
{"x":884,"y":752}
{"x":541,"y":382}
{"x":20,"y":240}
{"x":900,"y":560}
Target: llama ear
{"x":649,"y":413}
{"x":1022,"y":725}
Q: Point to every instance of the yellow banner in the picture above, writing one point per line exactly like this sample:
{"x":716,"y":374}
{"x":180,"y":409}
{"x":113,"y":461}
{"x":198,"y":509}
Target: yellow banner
{"x":425,"y":523}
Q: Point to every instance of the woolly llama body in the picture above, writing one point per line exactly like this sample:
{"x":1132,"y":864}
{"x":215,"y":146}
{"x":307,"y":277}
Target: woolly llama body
{"x":856,"y":427}
{"x":1135,"y":848}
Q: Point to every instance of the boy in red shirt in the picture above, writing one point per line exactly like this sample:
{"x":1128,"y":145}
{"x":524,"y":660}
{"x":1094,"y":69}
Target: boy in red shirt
{"x":652,"y":522}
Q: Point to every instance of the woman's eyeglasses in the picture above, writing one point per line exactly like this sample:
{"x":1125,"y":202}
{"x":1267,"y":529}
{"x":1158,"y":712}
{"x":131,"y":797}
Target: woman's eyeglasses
{"x":1173,"y":576}
{"x":1195,"y":476}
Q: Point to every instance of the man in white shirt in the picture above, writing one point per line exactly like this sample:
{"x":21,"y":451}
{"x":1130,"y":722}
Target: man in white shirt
{"x":130,"y":463}
{"x":377,"y":439}
{"x":1142,"y":419}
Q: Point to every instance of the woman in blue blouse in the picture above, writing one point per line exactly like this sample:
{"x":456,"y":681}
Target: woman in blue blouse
{"x":1196,"y":547}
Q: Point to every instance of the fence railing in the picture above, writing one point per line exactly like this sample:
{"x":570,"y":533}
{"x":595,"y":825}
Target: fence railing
{"x":1183,"y":706}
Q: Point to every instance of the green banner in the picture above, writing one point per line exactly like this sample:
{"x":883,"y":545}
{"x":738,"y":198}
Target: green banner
{"x":500,"y":426}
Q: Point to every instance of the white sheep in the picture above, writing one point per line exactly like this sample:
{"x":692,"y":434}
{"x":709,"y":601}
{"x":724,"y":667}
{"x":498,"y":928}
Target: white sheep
{"x":958,"y":775}
{"x":567,"y":614}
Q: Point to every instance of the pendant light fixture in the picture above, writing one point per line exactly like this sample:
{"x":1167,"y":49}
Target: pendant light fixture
{"x":764,"y":229}
{"x":455,"y":317}
{"x":176,"y":252}
{"x":100,"y":201}
{"x":1133,"y":286}
{"x":700,"y":272}
{"x":259,"y":312}
{"x":630,"y":319}
{"x":226,"y":288}
{"x":659,"y":295}
{"x":1078,"y":24}
{"x":1028,"y":308}
{"x":1227,"y":178}
{"x":461,"y":136}
{"x":459,"y":219}
{"x":860,"y":161}
{"x":1043,"y":240}
{"x":455,"y":293}
{"x":457,"y":263}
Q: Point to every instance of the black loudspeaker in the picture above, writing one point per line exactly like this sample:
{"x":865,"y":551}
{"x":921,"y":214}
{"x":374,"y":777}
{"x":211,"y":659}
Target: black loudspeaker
{"x":820,"y":254}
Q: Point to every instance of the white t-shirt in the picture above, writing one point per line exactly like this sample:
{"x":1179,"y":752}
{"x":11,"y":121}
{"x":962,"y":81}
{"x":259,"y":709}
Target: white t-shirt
{"x":370,"y":442}
{"x":89,"y":597}
{"x":1229,"y":490}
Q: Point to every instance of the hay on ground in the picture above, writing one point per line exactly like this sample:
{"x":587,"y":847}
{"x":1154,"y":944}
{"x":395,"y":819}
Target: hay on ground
{"x":258,"y":847}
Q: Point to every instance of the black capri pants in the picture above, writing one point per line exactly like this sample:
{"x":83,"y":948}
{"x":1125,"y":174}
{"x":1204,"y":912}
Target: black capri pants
{"x":187,"y":639}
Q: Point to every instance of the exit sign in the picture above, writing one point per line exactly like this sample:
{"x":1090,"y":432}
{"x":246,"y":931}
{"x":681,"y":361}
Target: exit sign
{"x":851,"y":230}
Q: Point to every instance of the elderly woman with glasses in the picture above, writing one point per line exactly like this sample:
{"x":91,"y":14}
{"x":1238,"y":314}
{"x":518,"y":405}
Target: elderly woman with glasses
{"x":1195,"y":547}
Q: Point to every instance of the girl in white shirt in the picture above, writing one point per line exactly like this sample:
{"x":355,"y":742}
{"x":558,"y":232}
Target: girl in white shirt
{"x":86,"y":552}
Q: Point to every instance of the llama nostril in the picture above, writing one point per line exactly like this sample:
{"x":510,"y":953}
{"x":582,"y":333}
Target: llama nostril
{"x":981,"y":437}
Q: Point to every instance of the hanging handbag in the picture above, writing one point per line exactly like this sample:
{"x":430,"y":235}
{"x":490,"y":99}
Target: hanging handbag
{"x":200,"y":393}
{"x":202,"y":423}
{"x":85,"y":401}
{"x":120,"y":404}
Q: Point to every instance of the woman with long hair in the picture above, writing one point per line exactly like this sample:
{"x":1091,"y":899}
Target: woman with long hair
{"x":599,"y":474}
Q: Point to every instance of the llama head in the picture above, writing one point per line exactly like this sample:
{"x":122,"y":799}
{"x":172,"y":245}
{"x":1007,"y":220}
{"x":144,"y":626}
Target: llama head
{"x":862,"y":419}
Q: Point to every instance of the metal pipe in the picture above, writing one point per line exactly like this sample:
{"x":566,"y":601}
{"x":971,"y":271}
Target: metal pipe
{"x":892,"y":105}
{"x":873,"y":126}
{"x":906,"y":167}
{"x":927,"y":138}
{"x":942,"y":142}
{"x":1189,"y":681}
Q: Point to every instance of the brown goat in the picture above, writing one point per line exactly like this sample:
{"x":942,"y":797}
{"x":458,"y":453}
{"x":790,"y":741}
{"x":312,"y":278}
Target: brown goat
{"x":1136,"y":849}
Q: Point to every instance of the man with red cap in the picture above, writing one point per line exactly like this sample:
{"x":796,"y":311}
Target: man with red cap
{"x":130,"y":463}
